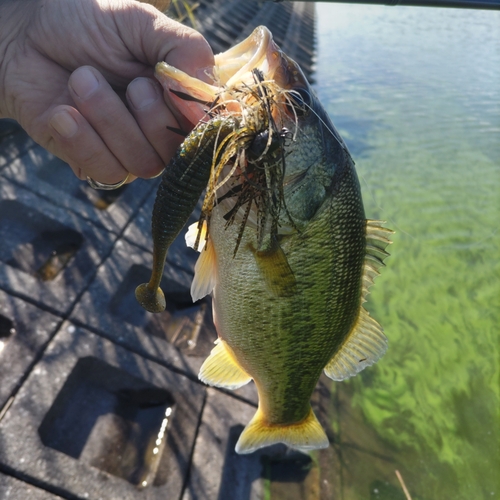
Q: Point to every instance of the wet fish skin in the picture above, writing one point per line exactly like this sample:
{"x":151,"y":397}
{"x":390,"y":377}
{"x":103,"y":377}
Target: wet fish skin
{"x":283,"y":341}
{"x":288,"y":303}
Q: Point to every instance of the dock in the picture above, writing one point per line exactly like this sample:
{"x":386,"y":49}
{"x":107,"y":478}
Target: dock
{"x":99,"y":399}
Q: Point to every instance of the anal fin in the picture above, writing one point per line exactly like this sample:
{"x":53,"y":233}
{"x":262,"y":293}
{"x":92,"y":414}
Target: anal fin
{"x":304,"y":436}
{"x":221,"y":369}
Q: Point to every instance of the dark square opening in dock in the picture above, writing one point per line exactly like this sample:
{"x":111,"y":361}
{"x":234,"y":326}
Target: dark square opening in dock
{"x":36,"y":244}
{"x":284,"y":472}
{"x":111,"y":420}
{"x":183,"y":323}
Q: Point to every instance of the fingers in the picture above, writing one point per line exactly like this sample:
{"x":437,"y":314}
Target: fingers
{"x":99,"y":136}
{"x":193,"y":55}
{"x":77,"y":143}
{"x":152,"y":37}
{"x":101,"y":139}
{"x":166,"y":40}
{"x":145,"y":97}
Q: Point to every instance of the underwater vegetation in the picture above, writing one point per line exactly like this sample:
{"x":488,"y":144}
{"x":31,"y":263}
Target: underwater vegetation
{"x":416,"y":92}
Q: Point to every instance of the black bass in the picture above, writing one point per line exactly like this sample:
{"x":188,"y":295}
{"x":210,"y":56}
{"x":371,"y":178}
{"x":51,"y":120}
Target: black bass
{"x":286,"y":249}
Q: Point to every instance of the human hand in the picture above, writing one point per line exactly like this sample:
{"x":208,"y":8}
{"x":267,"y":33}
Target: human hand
{"x":67,"y":65}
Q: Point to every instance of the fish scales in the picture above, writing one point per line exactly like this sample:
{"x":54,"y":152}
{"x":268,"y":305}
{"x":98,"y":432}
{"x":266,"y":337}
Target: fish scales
{"x":288,"y":254}
{"x":302,"y":331}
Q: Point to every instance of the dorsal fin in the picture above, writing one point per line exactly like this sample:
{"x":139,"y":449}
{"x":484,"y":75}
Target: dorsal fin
{"x":377,"y":239}
{"x":366,"y":342}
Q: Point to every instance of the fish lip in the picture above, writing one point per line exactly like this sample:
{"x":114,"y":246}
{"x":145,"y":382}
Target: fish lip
{"x":235,"y":66}
{"x":259,"y":51}
{"x":232,"y":67}
{"x":172,"y":78}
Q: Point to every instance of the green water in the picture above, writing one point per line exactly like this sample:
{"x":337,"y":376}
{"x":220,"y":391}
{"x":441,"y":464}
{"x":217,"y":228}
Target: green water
{"x":415,"y":93}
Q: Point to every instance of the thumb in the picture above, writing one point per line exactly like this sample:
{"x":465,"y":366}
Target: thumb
{"x":153,"y":37}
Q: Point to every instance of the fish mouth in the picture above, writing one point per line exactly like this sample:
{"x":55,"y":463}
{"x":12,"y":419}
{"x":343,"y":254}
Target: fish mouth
{"x":234,"y":68}
{"x":256,"y":83}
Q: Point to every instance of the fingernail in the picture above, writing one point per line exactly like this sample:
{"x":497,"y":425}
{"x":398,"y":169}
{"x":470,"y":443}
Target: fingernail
{"x":84,"y":83}
{"x":64,"y":124}
{"x":142,"y":92}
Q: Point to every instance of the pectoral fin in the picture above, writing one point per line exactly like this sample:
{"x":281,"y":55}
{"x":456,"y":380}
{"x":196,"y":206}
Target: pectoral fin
{"x":305,"y":435}
{"x":205,"y":272}
{"x":221,"y":369}
{"x":276,"y":271}
{"x":196,"y":236}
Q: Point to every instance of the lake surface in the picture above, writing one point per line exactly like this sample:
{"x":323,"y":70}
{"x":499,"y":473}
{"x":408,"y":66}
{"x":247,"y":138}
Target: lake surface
{"x":415,"y":92}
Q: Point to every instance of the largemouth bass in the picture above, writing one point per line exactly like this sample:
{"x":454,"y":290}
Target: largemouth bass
{"x":286,"y":249}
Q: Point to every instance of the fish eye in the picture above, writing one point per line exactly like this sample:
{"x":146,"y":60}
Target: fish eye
{"x":259,"y":144}
{"x":301,"y":100}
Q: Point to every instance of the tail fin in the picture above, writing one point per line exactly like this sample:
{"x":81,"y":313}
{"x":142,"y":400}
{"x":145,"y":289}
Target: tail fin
{"x":304,"y":436}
